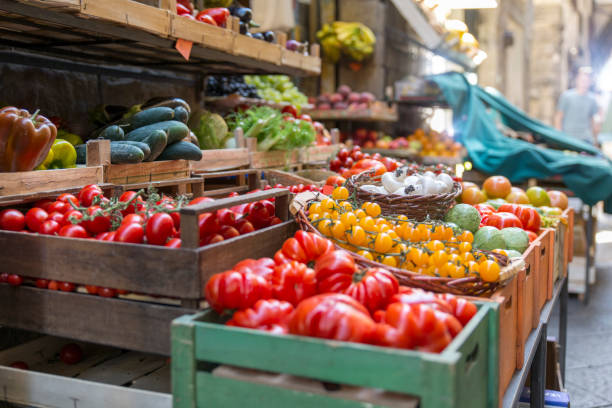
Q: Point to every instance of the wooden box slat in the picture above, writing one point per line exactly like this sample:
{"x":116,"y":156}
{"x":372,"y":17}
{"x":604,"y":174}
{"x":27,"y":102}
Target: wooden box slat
{"x":526,"y":300}
{"x":201,"y":33}
{"x":27,"y":182}
{"x":129,"y":13}
{"x":147,"y":171}
{"x":221,"y":159}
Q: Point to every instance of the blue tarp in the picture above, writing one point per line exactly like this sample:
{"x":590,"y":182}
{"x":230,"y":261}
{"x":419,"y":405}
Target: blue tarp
{"x":588,"y":175}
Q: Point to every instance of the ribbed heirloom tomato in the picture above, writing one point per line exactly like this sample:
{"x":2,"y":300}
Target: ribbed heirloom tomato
{"x":333,"y":316}
{"x":263,"y":267}
{"x":501,"y":220}
{"x":267,"y":314}
{"x":236,"y":290}
{"x":293,"y":282}
{"x":530,"y":219}
{"x":303,"y":247}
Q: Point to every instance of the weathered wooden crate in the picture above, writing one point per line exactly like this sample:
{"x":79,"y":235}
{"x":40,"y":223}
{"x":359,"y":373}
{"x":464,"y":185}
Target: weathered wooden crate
{"x":29,"y":182}
{"x":222,"y":183}
{"x":105,"y":377}
{"x":221,"y":159}
{"x":175,"y":273}
{"x":464,"y":374}
{"x":569,"y":242}
{"x":129,"y":13}
{"x":320,"y":154}
{"x":526,"y":300}
{"x":543,"y":282}
{"x":209,"y":36}
{"x":273,"y":177}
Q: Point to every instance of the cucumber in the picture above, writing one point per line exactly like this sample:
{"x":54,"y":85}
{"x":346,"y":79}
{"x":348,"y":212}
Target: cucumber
{"x":181,"y":114}
{"x":150,"y":116}
{"x":113,"y":132}
{"x":142,"y":146}
{"x":81,"y":151}
{"x":174,"y":130}
{"x":181,"y":150}
{"x":122,"y":153}
{"x":157,"y":141}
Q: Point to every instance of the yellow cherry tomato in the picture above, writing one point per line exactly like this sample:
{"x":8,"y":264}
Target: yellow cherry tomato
{"x":435,"y":245}
{"x":456,"y":271}
{"x":467,"y":257}
{"x":438,"y":232}
{"x":327,"y":204}
{"x":390,"y":261}
{"x":338,"y":231}
{"x":454,"y":258}
{"x":314,"y":208}
{"x":367,"y":223}
{"x":465,"y":247}
{"x":466,"y":236}
{"x":366,"y":254}
{"x":348,"y":219}
{"x":473,"y":268}
{"x":489,"y":271}
{"x":500,"y":251}
{"x":373,"y":209}
{"x":345,"y":205}
{"x":383,"y":243}
{"x":438,"y":258}
{"x":314,"y":217}
{"x":356,"y":236}
{"x":325,"y":227}
{"x":360,"y":213}
{"x":340,"y":193}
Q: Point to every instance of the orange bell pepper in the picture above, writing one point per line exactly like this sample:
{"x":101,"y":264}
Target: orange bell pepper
{"x":25,"y":140}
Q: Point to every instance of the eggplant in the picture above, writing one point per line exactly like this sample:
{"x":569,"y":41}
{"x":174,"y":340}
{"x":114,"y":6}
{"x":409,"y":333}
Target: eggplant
{"x":269,"y":36}
{"x":258,"y":36}
{"x":243,"y":13}
{"x":244,"y":28}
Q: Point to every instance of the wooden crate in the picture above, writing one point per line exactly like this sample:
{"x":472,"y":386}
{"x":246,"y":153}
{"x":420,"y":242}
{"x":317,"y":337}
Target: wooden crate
{"x":464,"y":374}
{"x":544,"y":277}
{"x":320,"y":154}
{"x":222,"y":183}
{"x":175,"y":273}
{"x":273,"y":177}
{"x":106,"y":377}
{"x":526,"y":300}
{"x":569,"y":242}
{"x":193,"y":186}
{"x":222,"y":159}
{"x":29,"y":182}
{"x":129,"y":13}
{"x":201,"y":33}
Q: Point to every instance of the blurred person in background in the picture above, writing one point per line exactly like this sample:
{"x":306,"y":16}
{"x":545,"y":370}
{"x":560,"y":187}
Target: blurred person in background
{"x":578,"y":111}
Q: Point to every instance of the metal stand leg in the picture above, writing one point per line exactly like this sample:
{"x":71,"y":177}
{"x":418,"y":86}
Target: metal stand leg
{"x":538,"y":372}
{"x":589,"y":260}
{"x":563,"y":328}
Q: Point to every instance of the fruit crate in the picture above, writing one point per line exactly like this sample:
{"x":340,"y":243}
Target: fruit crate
{"x":221,"y":159}
{"x":569,"y":241}
{"x":174,"y":274}
{"x":320,"y":154}
{"x":544,"y":283}
{"x":464,"y":374}
{"x":505,"y":305}
{"x":526,"y":299}
{"x":222,"y":183}
{"x":25,"y":183}
{"x":105,"y":377}
{"x":560,"y":247}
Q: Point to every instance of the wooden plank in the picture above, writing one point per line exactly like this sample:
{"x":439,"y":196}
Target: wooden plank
{"x":147,"y":171}
{"x":257,"y":49}
{"x":133,"y":267}
{"x":210,"y":206}
{"x":222,"y":159}
{"x":123,"y":369}
{"x":158,"y":381}
{"x":90,"y":318}
{"x":129,"y":13}
{"x":44,"y":390}
{"x":224,"y":192}
{"x":320,"y":153}
{"x":201,"y":33}
{"x":73,"y":5}
{"x":18,"y":183}
{"x":277,"y":158}
{"x":19,"y":199}
{"x":192,"y":181}
{"x":93,"y":355}
{"x":98,"y":153}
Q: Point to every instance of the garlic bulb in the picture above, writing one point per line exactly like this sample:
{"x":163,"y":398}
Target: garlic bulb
{"x":412,"y":180}
{"x":447,"y":180}
{"x":370,"y":188}
{"x":390,"y":182}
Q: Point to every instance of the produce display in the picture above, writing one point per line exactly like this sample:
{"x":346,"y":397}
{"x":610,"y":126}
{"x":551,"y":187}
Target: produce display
{"x":211,"y":130}
{"x":348,"y":163}
{"x":338,"y":299}
{"x":277,"y":88}
{"x":349,"y":39}
{"x":345,"y":98}
{"x":229,"y":85}
{"x":427,"y":144}
{"x":430,"y":247}
{"x":274,"y":129}
{"x":405,"y":181}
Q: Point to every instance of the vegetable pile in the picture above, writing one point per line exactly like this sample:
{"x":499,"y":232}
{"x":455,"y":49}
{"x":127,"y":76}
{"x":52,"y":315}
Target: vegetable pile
{"x":277,"y":88}
{"x":336,"y":300}
{"x":354,"y":161}
{"x":273,"y":129}
{"x":429,"y":247}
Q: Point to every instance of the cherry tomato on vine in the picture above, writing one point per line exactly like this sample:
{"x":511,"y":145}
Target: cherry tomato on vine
{"x":73,"y":231}
{"x":35,"y":217}
{"x":131,"y":233}
{"x":160,"y":228}
{"x":12,"y":220}
{"x":50,"y":227}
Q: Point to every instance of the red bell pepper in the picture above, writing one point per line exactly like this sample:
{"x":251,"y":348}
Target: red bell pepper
{"x":181,"y":10}
{"x":185,"y":3}
{"x":219,"y":15}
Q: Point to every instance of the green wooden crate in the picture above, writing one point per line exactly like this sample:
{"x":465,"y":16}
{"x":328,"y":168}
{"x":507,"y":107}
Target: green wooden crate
{"x":465,"y":374}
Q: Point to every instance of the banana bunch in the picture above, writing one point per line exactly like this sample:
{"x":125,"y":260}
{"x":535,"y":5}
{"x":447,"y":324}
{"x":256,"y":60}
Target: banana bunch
{"x":352,"y":39}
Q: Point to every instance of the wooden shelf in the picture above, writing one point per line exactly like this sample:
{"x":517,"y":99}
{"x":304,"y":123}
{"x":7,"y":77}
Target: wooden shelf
{"x":229,"y":102}
{"x":128,"y":33}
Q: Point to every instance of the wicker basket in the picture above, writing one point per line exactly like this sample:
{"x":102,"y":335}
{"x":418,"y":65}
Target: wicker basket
{"x":471,"y":286}
{"x":416,"y":207}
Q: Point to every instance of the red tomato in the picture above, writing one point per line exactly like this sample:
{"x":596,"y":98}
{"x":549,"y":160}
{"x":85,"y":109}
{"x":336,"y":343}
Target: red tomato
{"x":92,"y":290}
{"x":133,"y":219}
{"x":461,"y":308}
{"x":497,"y":186}
{"x":343,"y":154}
{"x":70,"y":216}
{"x":532,"y":236}
{"x":484,"y":209}
{"x":88,"y":193}
{"x":132,"y":233}
{"x":236,"y":290}
{"x":293,"y":282}
{"x":335,"y":164}
{"x":71,"y":353}
{"x":291,"y":110}
{"x":35,"y":217}
{"x":208,"y":224}
{"x":44,"y":203}
{"x":174,"y":243}
{"x":53,"y":285}
{"x":412,"y":326}
{"x":305,"y":247}
{"x":275,"y":221}
{"x":67,"y":198}
{"x":211,"y":239}
{"x":66,"y":287}
{"x":263,"y":267}
{"x":50,"y":227}
{"x":199,"y":200}
{"x":14,"y":280}
{"x":59,"y":206}
{"x":12,"y":220}
{"x":357,"y":155}
{"x":181,"y":9}
{"x":368,"y":164}
{"x":22,"y":365}
{"x":73,"y":231}
{"x":107,"y":292}
{"x":226,"y":217}
{"x":267,"y":314}
{"x":335,"y":181}
{"x":57,"y":217}
{"x":373,"y":289}
{"x":333,"y":316}
{"x":530,"y":219}
{"x":228,"y":232}
{"x":42,"y":283}
{"x":100,"y":223}
{"x":160,"y":228}
{"x":133,"y":200}
{"x":335,"y":271}
{"x":502,"y":220}
{"x":245,"y":227}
